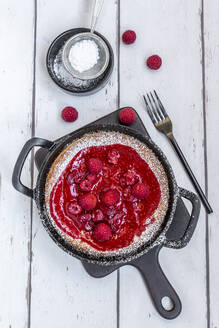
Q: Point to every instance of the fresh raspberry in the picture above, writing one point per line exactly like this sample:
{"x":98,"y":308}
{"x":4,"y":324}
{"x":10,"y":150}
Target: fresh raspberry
{"x":116,"y":222}
{"x":97,"y":216}
{"x":73,"y":208}
{"x":129,"y":37}
{"x":69,"y":114}
{"x":113,"y":156}
{"x":102,"y":232}
{"x":130,"y":178}
{"x":110,"y":197}
{"x":94,"y":165}
{"x":85,"y":185}
{"x":127,"y":116}
{"x":88,"y":201}
{"x":140,"y":191}
{"x":154,"y":62}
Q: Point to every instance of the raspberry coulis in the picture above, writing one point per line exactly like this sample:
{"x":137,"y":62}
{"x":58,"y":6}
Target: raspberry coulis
{"x":126,"y":217}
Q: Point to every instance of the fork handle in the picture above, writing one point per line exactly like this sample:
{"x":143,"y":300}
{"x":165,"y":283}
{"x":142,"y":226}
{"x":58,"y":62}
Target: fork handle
{"x":190,"y":173}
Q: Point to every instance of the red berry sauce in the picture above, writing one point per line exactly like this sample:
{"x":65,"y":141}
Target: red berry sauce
{"x":126,"y":217}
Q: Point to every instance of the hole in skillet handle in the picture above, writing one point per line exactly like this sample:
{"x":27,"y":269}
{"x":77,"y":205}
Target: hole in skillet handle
{"x":167,"y":303}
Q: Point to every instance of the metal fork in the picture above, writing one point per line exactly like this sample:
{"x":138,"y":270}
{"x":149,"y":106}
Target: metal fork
{"x":163,"y":123}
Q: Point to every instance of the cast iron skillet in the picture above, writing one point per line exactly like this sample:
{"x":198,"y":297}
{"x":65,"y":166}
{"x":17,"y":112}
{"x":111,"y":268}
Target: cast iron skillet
{"x":55,"y":148}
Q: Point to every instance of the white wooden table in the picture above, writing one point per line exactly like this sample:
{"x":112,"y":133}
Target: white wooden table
{"x":40,"y":285}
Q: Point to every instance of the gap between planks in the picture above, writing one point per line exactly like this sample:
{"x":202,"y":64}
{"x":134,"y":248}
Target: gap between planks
{"x":202,"y":17}
{"x":29,"y":287}
{"x":118,"y":105}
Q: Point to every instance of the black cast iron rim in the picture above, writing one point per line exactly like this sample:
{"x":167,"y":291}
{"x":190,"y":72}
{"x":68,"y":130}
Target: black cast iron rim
{"x":39,"y":197}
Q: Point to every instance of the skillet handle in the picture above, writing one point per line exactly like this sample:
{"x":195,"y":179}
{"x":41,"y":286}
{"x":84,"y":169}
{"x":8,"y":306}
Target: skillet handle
{"x":158,"y":284}
{"x":16,"y":177}
{"x":183,"y":241}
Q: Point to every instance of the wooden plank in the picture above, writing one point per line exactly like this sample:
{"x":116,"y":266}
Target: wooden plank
{"x":211,"y":23}
{"x":62,"y":293}
{"x":172,"y":30}
{"x":16,"y":77}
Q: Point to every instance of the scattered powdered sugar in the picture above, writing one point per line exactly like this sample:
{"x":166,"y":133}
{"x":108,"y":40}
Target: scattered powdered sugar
{"x":109,"y":138}
{"x":66,"y":79}
{"x":84,"y":55}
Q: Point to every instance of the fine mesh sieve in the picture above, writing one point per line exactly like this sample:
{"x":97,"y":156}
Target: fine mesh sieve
{"x":103,"y":51}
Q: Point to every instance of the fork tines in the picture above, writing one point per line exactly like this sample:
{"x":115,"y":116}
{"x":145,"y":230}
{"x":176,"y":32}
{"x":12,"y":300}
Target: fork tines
{"x":163,"y":123}
{"x":155,"y":108}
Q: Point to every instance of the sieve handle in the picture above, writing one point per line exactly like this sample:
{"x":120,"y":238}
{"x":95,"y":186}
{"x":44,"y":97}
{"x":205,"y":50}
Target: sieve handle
{"x":97,"y":6}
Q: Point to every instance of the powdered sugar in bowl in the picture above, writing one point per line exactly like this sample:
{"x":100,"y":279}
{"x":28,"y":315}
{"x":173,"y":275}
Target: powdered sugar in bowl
{"x":85,"y":56}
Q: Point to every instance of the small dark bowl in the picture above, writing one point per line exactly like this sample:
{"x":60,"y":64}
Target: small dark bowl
{"x":77,"y":90}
